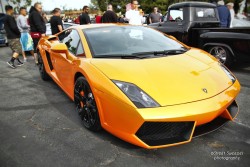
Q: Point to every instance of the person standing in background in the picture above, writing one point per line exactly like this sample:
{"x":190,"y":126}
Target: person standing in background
{"x":109,"y":16}
{"x":232,"y":13}
{"x":224,"y":14}
{"x":84,"y":17}
{"x":45,"y":17}
{"x":134,"y":16}
{"x":56,"y":21}
{"x":37,"y":26}
{"x":13,"y":35}
{"x":26,"y":40}
{"x":154,"y":17}
{"x":98,"y":17}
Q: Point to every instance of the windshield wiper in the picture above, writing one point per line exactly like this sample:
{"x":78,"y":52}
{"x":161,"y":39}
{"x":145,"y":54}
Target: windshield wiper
{"x":123,"y":56}
{"x":170,"y":52}
{"x":164,"y":52}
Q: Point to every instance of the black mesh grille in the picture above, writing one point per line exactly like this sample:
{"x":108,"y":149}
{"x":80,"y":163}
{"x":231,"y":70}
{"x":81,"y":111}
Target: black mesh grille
{"x":162,"y":133}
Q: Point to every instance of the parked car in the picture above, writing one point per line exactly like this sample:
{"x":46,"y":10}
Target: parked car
{"x":3,"y":37}
{"x":197,"y":24}
{"x":65,"y":26}
{"x":139,"y":84}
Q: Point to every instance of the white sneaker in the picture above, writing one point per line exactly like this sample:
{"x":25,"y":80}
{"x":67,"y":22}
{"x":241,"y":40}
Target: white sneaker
{"x":25,"y":60}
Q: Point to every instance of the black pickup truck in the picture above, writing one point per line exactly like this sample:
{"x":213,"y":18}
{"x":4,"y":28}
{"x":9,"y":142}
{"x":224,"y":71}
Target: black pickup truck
{"x":197,"y":24}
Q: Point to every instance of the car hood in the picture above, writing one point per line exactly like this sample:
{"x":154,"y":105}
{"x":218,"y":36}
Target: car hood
{"x":169,"y":80}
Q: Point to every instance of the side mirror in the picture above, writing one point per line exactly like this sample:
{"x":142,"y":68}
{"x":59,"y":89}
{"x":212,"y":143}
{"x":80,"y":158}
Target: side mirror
{"x":59,"y":48}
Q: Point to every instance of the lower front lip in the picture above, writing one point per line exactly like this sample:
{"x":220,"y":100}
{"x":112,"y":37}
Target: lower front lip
{"x":205,"y":116}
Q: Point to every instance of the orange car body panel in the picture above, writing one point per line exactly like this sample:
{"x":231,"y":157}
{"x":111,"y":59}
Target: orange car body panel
{"x":180,"y":101}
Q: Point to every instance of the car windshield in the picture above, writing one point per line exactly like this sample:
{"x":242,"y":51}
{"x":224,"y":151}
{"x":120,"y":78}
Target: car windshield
{"x":129,"y":40}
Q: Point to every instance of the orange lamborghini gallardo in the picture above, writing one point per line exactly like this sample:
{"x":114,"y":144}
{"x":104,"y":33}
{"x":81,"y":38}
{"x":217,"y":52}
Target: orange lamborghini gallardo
{"x":140,"y":85}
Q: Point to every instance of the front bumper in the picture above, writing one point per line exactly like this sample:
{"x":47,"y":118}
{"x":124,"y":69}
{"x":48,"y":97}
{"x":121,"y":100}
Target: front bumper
{"x":170,"y":125}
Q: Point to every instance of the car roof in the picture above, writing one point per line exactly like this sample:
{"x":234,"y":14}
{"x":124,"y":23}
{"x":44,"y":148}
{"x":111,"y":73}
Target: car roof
{"x":192,"y":4}
{"x":90,"y":26}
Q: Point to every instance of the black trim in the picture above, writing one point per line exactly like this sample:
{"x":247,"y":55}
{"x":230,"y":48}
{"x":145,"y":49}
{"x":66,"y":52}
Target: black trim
{"x":233,"y":109}
{"x":163,"y":133}
{"x":49,"y":60}
{"x":210,"y":127}
{"x":192,"y":4}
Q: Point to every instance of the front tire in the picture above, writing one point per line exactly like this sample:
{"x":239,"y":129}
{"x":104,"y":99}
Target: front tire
{"x":222,"y":54}
{"x":86,"y":105}
{"x":44,"y":75}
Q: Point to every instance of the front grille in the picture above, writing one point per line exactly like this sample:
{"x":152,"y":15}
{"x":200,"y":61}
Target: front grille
{"x":163,"y":133}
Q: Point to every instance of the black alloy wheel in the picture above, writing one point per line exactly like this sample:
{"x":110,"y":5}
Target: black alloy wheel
{"x":86,"y":105}
{"x":44,"y":75}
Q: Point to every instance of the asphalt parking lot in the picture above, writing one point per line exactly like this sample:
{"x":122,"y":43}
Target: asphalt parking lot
{"x":39,"y":127}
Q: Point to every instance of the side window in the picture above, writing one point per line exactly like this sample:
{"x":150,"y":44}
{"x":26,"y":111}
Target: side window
{"x":175,"y":15}
{"x":205,"y":14}
{"x":71,"y":40}
{"x":80,"y":51}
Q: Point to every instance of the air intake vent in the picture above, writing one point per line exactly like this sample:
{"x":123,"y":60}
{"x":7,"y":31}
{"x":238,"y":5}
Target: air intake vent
{"x":163,"y":133}
{"x":233,"y":109}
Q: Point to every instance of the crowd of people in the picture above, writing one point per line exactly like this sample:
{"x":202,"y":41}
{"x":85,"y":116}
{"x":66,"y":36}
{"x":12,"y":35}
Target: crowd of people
{"x":134,"y":15}
{"x":24,"y":34}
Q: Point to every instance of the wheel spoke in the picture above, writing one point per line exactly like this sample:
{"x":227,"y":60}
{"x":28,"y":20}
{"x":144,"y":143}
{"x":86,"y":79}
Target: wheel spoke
{"x":216,"y":51}
{"x":79,"y":97}
{"x":90,"y":118}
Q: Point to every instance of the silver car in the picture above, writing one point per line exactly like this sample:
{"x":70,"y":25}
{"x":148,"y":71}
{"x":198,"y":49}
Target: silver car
{"x":65,"y":26}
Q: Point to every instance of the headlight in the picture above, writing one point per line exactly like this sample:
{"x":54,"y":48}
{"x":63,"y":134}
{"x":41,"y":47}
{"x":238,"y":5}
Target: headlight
{"x":229,"y":74}
{"x":136,"y":95}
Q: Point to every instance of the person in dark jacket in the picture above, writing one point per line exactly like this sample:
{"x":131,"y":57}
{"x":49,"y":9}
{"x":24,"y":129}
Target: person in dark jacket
{"x":224,"y":14}
{"x":13,"y":35}
{"x":37,"y":26}
{"x":109,"y":16}
{"x":84,"y":17}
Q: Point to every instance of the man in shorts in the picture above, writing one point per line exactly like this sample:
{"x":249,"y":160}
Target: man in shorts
{"x":13,"y":35}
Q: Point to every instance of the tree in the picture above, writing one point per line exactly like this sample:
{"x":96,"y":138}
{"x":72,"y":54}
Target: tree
{"x":94,"y":5}
{"x":18,"y":3}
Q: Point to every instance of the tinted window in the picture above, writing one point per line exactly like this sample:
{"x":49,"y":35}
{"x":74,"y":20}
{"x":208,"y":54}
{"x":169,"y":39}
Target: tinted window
{"x":127,"y":40}
{"x":71,"y":39}
{"x":205,"y":12}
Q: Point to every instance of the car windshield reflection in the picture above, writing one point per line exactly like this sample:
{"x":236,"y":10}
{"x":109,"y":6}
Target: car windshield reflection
{"x":122,"y":41}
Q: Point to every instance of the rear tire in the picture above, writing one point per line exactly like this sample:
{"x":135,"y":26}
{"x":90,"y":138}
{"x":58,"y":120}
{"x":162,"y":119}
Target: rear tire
{"x":86,"y":105}
{"x":222,"y":54}
{"x":44,"y":75}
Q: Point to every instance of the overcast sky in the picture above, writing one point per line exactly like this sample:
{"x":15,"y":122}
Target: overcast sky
{"x":69,"y":4}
